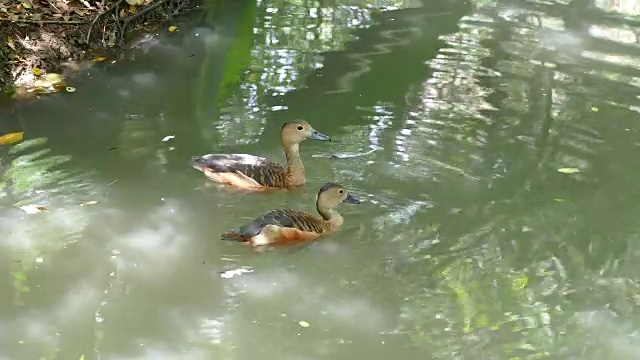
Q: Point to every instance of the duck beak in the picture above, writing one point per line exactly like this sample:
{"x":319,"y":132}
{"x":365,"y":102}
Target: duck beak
{"x":316,"y":135}
{"x":351,"y":199}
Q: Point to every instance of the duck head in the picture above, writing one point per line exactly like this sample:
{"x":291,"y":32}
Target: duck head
{"x":295,"y":132}
{"x":332,"y":194}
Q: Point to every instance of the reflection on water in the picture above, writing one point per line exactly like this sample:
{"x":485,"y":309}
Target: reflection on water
{"x":450,"y":120}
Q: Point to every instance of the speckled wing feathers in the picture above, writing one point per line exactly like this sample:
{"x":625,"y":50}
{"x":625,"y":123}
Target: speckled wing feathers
{"x":262,"y":170}
{"x":289,"y":218}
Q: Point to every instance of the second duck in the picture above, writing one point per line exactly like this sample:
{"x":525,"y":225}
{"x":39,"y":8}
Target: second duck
{"x":289,"y":226}
{"x":252,"y":172}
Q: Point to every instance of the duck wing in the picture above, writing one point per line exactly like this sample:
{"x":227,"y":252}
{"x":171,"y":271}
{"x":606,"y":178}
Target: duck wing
{"x":264,"y":171}
{"x":288,"y":218}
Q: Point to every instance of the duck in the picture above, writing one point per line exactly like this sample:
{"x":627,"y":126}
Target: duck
{"x":252,"y":172}
{"x":290,"y":226}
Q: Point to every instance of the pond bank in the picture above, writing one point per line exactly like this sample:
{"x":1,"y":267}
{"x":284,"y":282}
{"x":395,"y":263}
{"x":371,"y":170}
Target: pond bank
{"x":38,"y":37}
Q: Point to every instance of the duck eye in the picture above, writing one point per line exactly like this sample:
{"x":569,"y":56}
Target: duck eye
{"x":300,"y":127}
{"x":340,"y":191}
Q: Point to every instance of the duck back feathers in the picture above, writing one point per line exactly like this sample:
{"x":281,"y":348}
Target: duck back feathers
{"x":284,"y":218}
{"x":262,"y":171}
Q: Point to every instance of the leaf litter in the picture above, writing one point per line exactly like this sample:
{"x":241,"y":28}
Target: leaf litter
{"x":37,"y":37}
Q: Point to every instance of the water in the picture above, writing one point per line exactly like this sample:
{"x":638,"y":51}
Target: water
{"x":469,"y":243}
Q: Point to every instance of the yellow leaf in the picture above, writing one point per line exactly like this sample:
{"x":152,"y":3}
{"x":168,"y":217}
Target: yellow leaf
{"x":173,"y":28}
{"x":594,"y":109}
{"x":303,"y":323}
{"x":36,"y":71}
{"x":33,"y":209}
{"x":99,"y":59}
{"x":11,"y":138}
{"x":569,"y":170}
{"x":11,"y":44}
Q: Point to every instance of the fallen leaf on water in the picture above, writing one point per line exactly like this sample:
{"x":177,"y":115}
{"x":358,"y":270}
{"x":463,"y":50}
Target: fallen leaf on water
{"x":36,"y":71}
{"x":92,"y":202}
{"x":167,"y":138}
{"x":231,"y":273}
{"x":99,"y":59}
{"x":11,"y":138}
{"x":33,"y":209}
{"x":304,"y":324}
{"x":594,"y":109}
{"x":173,"y":28}
{"x":70,"y":89}
{"x":569,"y":170}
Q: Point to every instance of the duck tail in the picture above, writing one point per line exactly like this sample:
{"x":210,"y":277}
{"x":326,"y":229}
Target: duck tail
{"x":232,"y":236}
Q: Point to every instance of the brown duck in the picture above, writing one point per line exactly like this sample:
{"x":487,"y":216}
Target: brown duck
{"x":257,"y":173}
{"x":290,"y":226}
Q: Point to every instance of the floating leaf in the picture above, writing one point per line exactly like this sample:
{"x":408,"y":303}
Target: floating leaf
{"x":33,"y":209}
{"x":167,"y":138}
{"x":81,"y":357}
{"x":303,"y":323}
{"x":92,"y":202}
{"x":569,"y":170}
{"x":594,"y":109}
{"x":521,"y":282}
{"x":99,"y":59}
{"x":11,"y":138}
{"x":36,"y":71}
{"x":173,"y":28}
{"x":70,"y":89}
{"x":231,"y":273}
